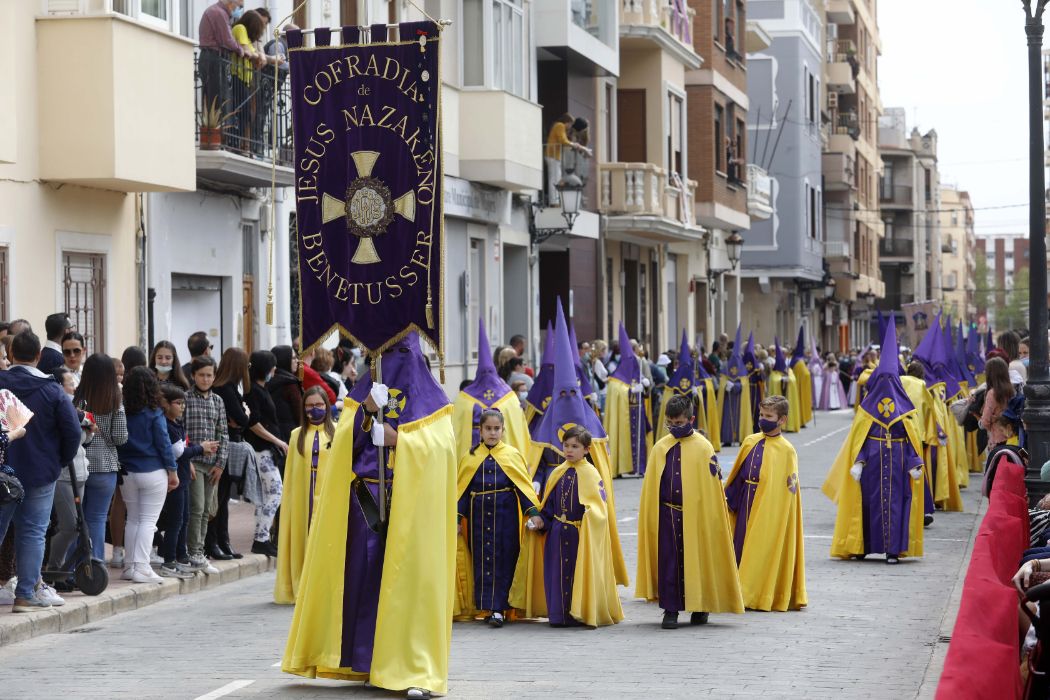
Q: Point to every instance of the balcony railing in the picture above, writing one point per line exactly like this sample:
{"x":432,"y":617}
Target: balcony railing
{"x":674,"y":16}
{"x":896,"y":194}
{"x":896,"y":248}
{"x":234,"y":108}
{"x":848,"y":124}
{"x":759,"y":192}
{"x":836,"y":249}
{"x":643,"y":189}
{"x":570,"y":161}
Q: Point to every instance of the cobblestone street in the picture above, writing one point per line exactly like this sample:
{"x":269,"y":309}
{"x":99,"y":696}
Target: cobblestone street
{"x":870,"y":631}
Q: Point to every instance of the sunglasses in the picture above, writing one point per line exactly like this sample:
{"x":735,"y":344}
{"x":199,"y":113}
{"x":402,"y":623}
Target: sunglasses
{"x":72,"y":352}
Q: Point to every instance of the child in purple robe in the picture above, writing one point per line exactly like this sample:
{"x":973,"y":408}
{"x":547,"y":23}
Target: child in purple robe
{"x":494,"y":494}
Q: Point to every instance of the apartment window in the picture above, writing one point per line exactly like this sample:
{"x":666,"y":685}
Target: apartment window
{"x":676,"y":134}
{"x":811,"y":98}
{"x":155,"y":12}
{"x":476,"y":277}
{"x":741,"y":148}
{"x":812,"y":212}
{"x":808,"y":211}
{"x":928,"y":174}
{"x":608,"y":122}
{"x":496,"y":32}
{"x":741,"y":25}
{"x":84,"y":292}
{"x":716,"y":20}
{"x":887,"y":179}
{"x":720,"y":151}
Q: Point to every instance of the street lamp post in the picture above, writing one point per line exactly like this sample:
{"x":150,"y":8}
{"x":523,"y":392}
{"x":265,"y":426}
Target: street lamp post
{"x":1037,"y":390}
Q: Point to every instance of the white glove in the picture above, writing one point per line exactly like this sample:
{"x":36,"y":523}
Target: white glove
{"x":636,"y":388}
{"x":855,"y":470}
{"x":378,"y":434}
{"x":177,"y":448}
{"x":916,"y":473}
{"x":536,"y":487}
{"x":380,"y":394}
{"x":646,"y":382}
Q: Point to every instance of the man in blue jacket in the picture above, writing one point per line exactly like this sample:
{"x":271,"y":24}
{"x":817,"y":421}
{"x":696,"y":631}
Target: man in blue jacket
{"x":50,"y":442}
{"x":56,"y":326}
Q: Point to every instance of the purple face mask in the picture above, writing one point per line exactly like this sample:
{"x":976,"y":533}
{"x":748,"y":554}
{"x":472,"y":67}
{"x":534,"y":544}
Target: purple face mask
{"x":768,"y":426}
{"x":681,"y":431}
{"x":316,"y":414}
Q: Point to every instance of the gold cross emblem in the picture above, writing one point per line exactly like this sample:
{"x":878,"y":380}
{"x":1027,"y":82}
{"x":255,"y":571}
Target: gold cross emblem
{"x":368,"y":207}
{"x":887,"y":407}
{"x":489,"y":395}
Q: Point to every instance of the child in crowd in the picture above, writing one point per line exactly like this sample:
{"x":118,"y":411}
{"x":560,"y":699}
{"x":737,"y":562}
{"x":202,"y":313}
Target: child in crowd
{"x":766,"y":502}
{"x":205,"y":419}
{"x":567,"y":574}
{"x":494,"y":488}
{"x":685,"y":550}
{"x":175,"y":517}
{"x":304,"y":468}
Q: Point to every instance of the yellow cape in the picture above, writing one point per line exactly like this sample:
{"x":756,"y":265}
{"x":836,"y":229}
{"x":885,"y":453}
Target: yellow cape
{"x":594,"y":598}
{"x":513,"y":465}
{"x":617,"y":412}
{"x":805,"y":390}
{"x":515,"y":429}
{"x":932,"y":414}
{"x":711,"y":582}
{"x":599,"y":455}
{"x":414,"y":621}
{"x":709,"y":420}
{"x":776,"y":387}
{"x":841,"y":488}
{"x":743,"y":426}
{"x":295,"y":508}
{"x":773,"y":565}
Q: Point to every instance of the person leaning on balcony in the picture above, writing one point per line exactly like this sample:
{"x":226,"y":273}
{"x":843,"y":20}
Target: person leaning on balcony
{"x":248,"y":31}
{"x":217,"y":45}
{"x":557,"y":138}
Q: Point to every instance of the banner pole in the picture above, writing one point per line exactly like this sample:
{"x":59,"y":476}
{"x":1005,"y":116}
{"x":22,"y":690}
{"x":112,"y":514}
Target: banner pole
{"x":382,"y":451}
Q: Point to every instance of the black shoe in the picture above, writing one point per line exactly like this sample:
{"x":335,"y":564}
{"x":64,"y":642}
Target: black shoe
{"x":266,"y":548}
{"x":670,"y":621}
{"x":892,"y":559}
{"x":859,"y":557}
{"x":927,"y":520}
{"x":214,"y":553}
{"x":699,"y":618}
{"x":225,"y":547}
{"x":67,"y":586}
{"x":495,"y":620}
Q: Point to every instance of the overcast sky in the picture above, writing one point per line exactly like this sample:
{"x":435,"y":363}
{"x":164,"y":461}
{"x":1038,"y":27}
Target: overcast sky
{"x":960,"y":67}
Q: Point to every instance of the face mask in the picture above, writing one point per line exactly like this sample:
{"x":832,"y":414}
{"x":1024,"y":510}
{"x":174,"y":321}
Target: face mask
{"x":1025,"y":361}
{"x":163,"y":369}
{"x":523,"y":395}
{"x":768,"y":426}
{"x":236,"y":14}
{"x":680,"y":431}
{"x":270,"y":375}
{"x":316,"y":414}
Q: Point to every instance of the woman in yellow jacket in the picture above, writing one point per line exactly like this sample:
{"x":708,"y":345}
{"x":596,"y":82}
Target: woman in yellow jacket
{"x":307,"y":453}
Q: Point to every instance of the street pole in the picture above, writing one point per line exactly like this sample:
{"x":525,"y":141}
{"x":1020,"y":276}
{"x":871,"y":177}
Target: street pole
{"x":1037,"y":390}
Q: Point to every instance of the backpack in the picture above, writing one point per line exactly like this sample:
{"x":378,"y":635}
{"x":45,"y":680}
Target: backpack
{"x":11,"y":490}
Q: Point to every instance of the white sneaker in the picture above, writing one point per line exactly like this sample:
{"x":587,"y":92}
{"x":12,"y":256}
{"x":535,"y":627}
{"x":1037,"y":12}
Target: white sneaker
{"x":144,"y":574}
{"x":209,"y":569}
{"x":126,"y":574}
{"x":117,"y":560}
{"x":48,"y":594}
{"x":198,"y":561}
{"x":7,"y":592}
{"x":155,"y":559}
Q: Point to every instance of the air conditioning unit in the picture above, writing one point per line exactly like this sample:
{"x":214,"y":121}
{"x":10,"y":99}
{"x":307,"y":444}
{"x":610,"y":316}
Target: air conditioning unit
{"x":906,"y":269}
{"x":833,"y":100}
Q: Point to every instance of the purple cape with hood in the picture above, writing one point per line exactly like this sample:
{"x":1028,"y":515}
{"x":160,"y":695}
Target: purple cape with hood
{"x":487,"y":387}
{"x":540,"y":392}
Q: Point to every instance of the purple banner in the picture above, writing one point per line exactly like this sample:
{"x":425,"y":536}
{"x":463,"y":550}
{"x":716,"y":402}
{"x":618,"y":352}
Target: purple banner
{"x":367,"y":123}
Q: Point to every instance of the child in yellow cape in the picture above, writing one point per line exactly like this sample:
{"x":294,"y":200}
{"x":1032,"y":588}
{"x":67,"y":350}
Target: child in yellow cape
{"x":685,"y":550}
{"x":565,"y":572}
{"x":307,"y":454}
{"x":765,"y":503}
{"x":494,"y":494}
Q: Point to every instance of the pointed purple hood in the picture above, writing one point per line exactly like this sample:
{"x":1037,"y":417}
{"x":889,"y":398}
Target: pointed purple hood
{"x":685,"y":376}
{"x":974,"y":359}
{"x":951,"y":354}
{"x":936,"y":358}
{"x":734,"y":366}
{"x":541,"y":387}
{"x":414,"y":393}
{"x":779,"y":365}
{"x":799,"y":353}
{"x":628,"y":370}
{"x":566,"y":407}
{"x":581,"y":376}
{"x":887,"y":400}
{"x":750,"y":364}
{"x":960,"y":357}
{"x":881,"y":325}
{"x":487,"y":386}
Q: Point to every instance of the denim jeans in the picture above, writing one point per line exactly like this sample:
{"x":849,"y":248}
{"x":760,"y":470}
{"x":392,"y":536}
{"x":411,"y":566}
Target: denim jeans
{"x":31,"y":518}
{"x":174,"y":520}
{"x":98,"y":494}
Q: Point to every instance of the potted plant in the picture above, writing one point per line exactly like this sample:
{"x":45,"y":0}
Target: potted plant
{"x":213,"y":121}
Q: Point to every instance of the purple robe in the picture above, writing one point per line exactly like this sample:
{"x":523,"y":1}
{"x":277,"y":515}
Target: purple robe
{"x":363,"y":571}
{"x":491,"y":503}
{"x":886,"y":488}
{"x":561,"y":547}
{"x":740,"y":495}
{"x":731,"y":414}
{"x":640,"y":427}
{"x":832,"y":395}
{"x":671,"y":549}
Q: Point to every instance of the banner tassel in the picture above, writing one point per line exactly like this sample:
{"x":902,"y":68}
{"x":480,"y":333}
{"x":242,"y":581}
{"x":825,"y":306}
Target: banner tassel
{"x":430,"y":315}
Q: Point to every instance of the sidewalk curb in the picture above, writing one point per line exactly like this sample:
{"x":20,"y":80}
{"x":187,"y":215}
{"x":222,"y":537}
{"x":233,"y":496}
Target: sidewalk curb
{"x":932,"y":677}
{"x":79,"y":611}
